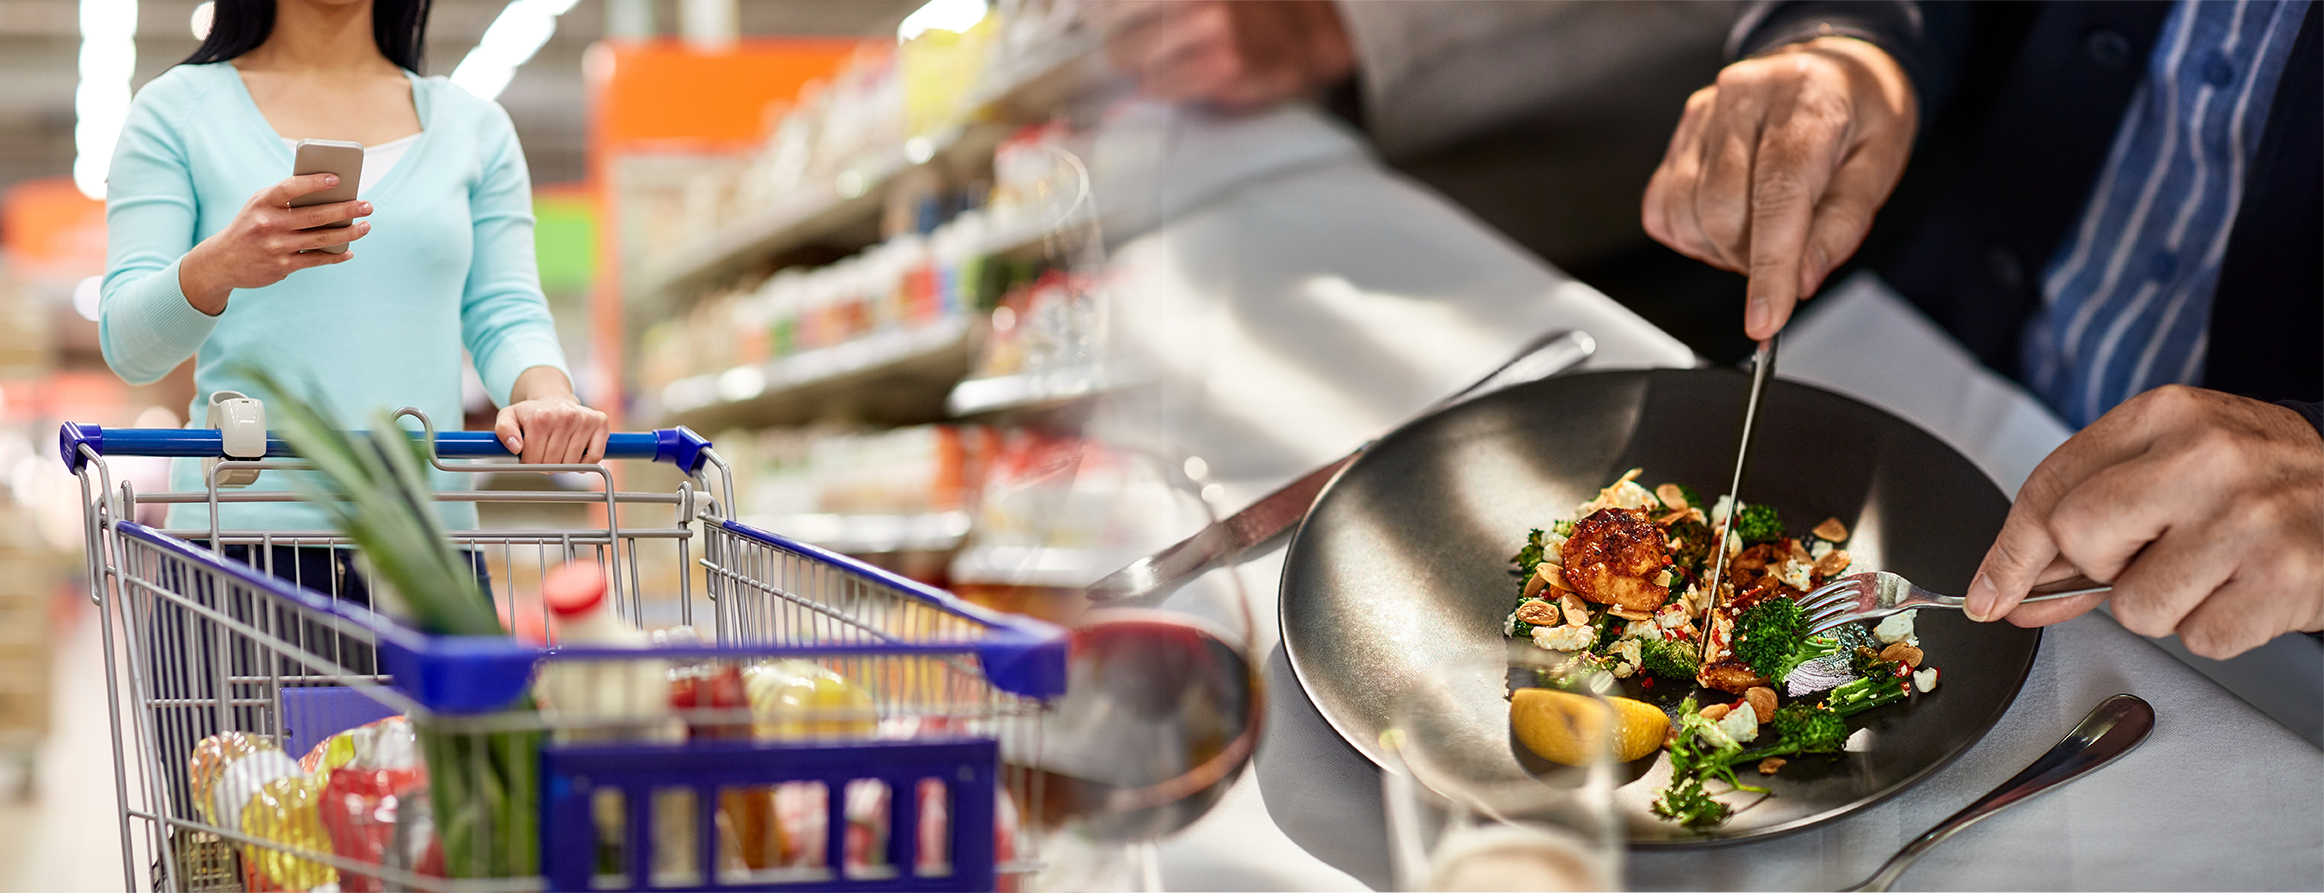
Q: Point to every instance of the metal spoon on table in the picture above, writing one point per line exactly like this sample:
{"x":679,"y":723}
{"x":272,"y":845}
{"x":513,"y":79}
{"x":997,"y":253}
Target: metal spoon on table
{"x":2115,"y":728}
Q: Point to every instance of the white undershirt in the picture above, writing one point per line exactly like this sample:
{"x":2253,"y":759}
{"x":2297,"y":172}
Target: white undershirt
{"x":377,"y":160}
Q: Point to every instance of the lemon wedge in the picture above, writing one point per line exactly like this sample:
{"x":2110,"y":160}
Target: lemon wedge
{"x":1564,"y":727}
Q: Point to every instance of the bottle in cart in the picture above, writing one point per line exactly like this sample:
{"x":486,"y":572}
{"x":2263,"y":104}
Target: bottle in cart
{"x":617,"y":699}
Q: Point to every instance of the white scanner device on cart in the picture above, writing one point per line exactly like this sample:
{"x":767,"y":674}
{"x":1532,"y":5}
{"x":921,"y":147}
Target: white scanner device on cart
{"x":241,"y":422}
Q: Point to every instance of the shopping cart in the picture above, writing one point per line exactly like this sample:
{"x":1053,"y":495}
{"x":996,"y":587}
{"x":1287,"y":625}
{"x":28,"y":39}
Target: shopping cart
{"x":204,"y":638}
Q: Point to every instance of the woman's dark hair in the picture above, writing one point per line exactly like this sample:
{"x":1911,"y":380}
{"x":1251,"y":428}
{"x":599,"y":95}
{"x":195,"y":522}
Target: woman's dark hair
{"x":400,"y":27}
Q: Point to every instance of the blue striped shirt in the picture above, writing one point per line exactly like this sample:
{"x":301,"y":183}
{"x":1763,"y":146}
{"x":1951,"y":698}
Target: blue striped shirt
{"x":2126,"y":303}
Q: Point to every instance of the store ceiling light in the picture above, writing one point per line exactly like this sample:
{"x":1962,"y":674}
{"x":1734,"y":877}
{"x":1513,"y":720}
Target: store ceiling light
{"x":941,"y":15}
{"x":101,"y":102}
{"x":520,"y":31}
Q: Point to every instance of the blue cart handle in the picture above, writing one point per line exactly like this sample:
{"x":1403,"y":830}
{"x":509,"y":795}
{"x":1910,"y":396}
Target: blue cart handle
{"x":678,"y":446}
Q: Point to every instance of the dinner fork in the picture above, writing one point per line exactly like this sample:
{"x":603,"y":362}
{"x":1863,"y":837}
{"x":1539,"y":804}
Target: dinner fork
{"x":1880,"y":593}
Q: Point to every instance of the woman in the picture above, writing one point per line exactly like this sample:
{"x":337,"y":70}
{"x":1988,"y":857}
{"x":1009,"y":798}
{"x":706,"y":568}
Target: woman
{"x":205,"y":258}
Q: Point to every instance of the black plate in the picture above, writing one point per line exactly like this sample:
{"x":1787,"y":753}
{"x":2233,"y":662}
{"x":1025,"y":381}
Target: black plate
{"x":1403,"y":563}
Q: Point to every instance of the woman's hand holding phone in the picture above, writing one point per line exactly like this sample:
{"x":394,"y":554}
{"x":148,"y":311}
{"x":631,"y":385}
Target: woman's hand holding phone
{"x":269,"y":240}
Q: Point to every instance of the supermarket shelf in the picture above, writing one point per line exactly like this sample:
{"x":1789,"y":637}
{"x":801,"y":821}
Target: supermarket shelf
{"x":1035,"y":565}
{"x":898,"y":377}
{"x":852,"y":202}
{"x":1030,"y":390}
{"x":856,"y":534}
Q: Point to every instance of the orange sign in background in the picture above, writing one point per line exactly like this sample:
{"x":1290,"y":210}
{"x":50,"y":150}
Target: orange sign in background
{"x":663,"y":95}
{"x":50,"y":231}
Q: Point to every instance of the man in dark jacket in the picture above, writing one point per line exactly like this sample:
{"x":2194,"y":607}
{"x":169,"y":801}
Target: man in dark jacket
{"x":2111,"y":202}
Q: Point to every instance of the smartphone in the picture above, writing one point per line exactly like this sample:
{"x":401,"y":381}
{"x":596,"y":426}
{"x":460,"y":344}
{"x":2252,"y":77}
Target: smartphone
{"x":329,"y":157}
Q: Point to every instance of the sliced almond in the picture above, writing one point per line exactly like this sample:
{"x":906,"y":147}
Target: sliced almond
{"x":1762,"y":700}
{"x":1627,"y":614}
{"x":1902,"y":653}
{"x":1833,"y":562}
{"x":1576,"y":611}
{"x":1770,"y":765}
{"x":1555,"y":574}
{"x":1672,"y":497}
{"x":1716,"y":712}
{"x":1673,"y":516}
{"x":1539,"y":579}
{"x":1799,"y":553}
{"x":1538,"y":613}
{"x":1831,"y":530}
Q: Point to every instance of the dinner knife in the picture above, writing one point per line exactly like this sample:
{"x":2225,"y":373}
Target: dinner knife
{"x":1762,"y":366}
{"x":1149,"y":579}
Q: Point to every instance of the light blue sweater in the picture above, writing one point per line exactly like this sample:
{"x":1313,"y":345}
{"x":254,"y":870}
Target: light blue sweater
{"x":448,"y":265}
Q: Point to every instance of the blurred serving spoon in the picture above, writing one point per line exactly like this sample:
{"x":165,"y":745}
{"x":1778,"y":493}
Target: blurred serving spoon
{"x":2115,"y":728}
{"x":1148,"y":580}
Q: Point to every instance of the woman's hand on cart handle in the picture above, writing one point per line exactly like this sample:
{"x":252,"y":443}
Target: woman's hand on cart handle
{"x":545,"y":424}
{"x":264,"y":242}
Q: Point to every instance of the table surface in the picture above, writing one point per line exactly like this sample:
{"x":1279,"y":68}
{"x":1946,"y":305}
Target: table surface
{"x":1332,"y":300}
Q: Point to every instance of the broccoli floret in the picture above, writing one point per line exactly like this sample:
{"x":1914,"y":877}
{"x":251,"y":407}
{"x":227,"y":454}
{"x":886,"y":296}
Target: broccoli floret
{"x":1668,"y":658}
{"x":1768,"y":635}
{"x":1686,"y":803}
{"x":1811,"y":727}
{"x":1758,"y":524}
{"x":1690,"y":544}
{"x":1562,"y":528}
{"x":1529,"y":558}
{"x":1866,"y":663}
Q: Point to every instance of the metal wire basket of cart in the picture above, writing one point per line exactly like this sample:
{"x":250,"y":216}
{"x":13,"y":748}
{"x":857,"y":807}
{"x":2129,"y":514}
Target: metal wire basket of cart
{"x":829,"y":726}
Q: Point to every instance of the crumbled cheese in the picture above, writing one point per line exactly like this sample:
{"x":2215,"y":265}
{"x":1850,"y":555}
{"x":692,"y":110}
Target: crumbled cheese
{"x":1720,"y":509}
{"x":1509,"y":624}
{"x":1641,"y":629}
{"x":1629,"y":495}
{"x":1741,"y":723}
{"x":1820,"y":549}
{"x":1629,"y":649}
{"x":1563,"y":638}
{"x":1672,"y":616}
{"x":1734,"y":544}
{"x":1624,"y":669}
{"x":1897,"y":628}
{"x":1795,"y":575}
{"x":1925,"y":679}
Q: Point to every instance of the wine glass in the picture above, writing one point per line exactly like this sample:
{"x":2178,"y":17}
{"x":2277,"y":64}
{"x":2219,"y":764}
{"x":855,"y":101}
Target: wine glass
{"x":1483,"y":797}
{"x":1162,"y":706}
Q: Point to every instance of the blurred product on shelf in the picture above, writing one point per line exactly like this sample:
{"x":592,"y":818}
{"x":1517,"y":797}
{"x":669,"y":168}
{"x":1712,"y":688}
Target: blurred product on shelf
{"x":26,"y":596}
{"x":1053,"y":322}
{"x":889,"y":108}
{"x":1061,"y":510}
{"x":912,"y":283}
{"x":900,"y":490}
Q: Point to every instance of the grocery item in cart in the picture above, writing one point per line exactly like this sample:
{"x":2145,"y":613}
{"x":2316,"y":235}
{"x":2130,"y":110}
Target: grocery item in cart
{"x":287,"y":811}
{"x":633,"y":693}
{"x":240,"y":777}
{"x":368,"y":772}
{"x":795,"y":700}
